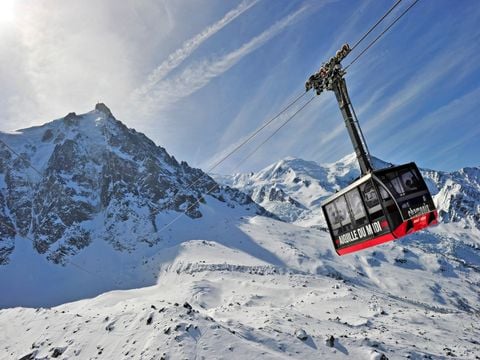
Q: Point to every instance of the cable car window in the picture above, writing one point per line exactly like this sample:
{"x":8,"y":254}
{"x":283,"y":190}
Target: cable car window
{"x":385,"y":195}
{"x":342,"y":211}
{"x":410,"y":180}
{"x":337,"y":213}
{"x":396,"y":186}
{"x":370,"y":197}
{"x":369,"y":194}
{"x":390,"y":206}
{"x":356,"y":205}
{"x":332,"y":216}
{"x":402,"y":182}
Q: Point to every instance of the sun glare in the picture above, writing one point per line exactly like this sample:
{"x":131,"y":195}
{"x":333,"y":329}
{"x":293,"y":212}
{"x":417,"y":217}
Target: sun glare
{"x":7,"y":11}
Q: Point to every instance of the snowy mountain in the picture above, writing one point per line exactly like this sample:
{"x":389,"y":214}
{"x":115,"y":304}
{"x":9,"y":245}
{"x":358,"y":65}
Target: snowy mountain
{"x":93,"y":170}
{"x":293,"y":189}
{"x":457,"y":195}
{"x":88,"y":182}
{"x":224,"y":281}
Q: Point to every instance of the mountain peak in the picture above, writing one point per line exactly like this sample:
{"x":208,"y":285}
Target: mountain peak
{"x":103,"y":108}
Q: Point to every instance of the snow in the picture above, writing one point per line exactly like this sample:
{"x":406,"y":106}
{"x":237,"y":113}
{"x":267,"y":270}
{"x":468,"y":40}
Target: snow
{"x":234,"y":285}
{"x":250,"y":304}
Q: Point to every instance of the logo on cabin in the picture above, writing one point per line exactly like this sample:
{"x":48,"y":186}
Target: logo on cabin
{"x":418,"y":211}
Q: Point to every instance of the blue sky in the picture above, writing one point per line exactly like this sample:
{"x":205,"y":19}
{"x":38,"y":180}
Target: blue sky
{"x":199,"y":76}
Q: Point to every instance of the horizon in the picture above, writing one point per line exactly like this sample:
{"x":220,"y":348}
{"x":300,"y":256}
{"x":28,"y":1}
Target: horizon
{"x":228,"y":66}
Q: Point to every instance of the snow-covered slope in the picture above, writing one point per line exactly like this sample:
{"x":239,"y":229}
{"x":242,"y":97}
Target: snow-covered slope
{"x":282,"y":294}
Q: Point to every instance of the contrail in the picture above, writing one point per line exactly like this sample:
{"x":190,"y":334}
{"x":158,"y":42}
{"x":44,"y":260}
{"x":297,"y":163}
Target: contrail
{"x":189,"y":46}
{"x":200,"y":74}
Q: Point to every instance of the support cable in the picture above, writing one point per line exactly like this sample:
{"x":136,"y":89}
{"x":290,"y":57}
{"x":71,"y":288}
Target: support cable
{"x":376,"y":24}
{"x":381,"y":34}
{"x":255,"y":133}
{"x":67,"y":261}
{"x":249,"y":138}
{"x":273,"y":134}
{"x":237,"y":166}
{"x":21,"y":157}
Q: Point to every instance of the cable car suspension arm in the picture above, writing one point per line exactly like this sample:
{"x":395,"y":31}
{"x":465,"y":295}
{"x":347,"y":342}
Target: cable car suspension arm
{"x":331,"y":77}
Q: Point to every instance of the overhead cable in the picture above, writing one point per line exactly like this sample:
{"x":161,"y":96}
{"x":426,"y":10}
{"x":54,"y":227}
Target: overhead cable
{"x":375,"y":25}
{"x":238,"y":165}
{"x":273,"y":134}
{"x":249,"y":138}
{"x":21,"y":157}
{"x":382,"y":33}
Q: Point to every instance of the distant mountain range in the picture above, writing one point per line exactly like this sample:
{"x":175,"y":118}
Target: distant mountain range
{"x":293,"y":189}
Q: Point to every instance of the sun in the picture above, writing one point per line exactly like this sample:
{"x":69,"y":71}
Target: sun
{"x":7,"y":11}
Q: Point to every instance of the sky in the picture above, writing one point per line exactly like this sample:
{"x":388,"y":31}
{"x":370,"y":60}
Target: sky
{"x":198,"y":77}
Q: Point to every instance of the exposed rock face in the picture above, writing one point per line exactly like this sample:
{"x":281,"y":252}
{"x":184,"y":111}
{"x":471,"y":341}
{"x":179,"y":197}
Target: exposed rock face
{"x":457,"y":195}
{"x":14,"y":201}
{"x":94,"y":170}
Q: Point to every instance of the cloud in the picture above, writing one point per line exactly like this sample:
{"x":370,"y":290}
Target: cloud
{"x":199,"y":74}
{"x":65,"y":57}
{"x":188,"y":47}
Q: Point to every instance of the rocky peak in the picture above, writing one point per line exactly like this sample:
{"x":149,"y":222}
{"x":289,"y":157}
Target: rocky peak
{"x":71,"y":119}
{"x":104,"y":109}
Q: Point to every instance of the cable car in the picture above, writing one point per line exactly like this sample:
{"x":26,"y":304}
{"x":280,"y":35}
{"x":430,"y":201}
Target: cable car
{"x":383,"y":204}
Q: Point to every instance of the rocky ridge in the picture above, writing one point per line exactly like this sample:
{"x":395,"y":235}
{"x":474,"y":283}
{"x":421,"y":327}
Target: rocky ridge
{"x":86,"y":176}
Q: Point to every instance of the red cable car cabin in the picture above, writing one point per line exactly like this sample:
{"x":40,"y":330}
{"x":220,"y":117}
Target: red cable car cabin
{"x":381,"y":206}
